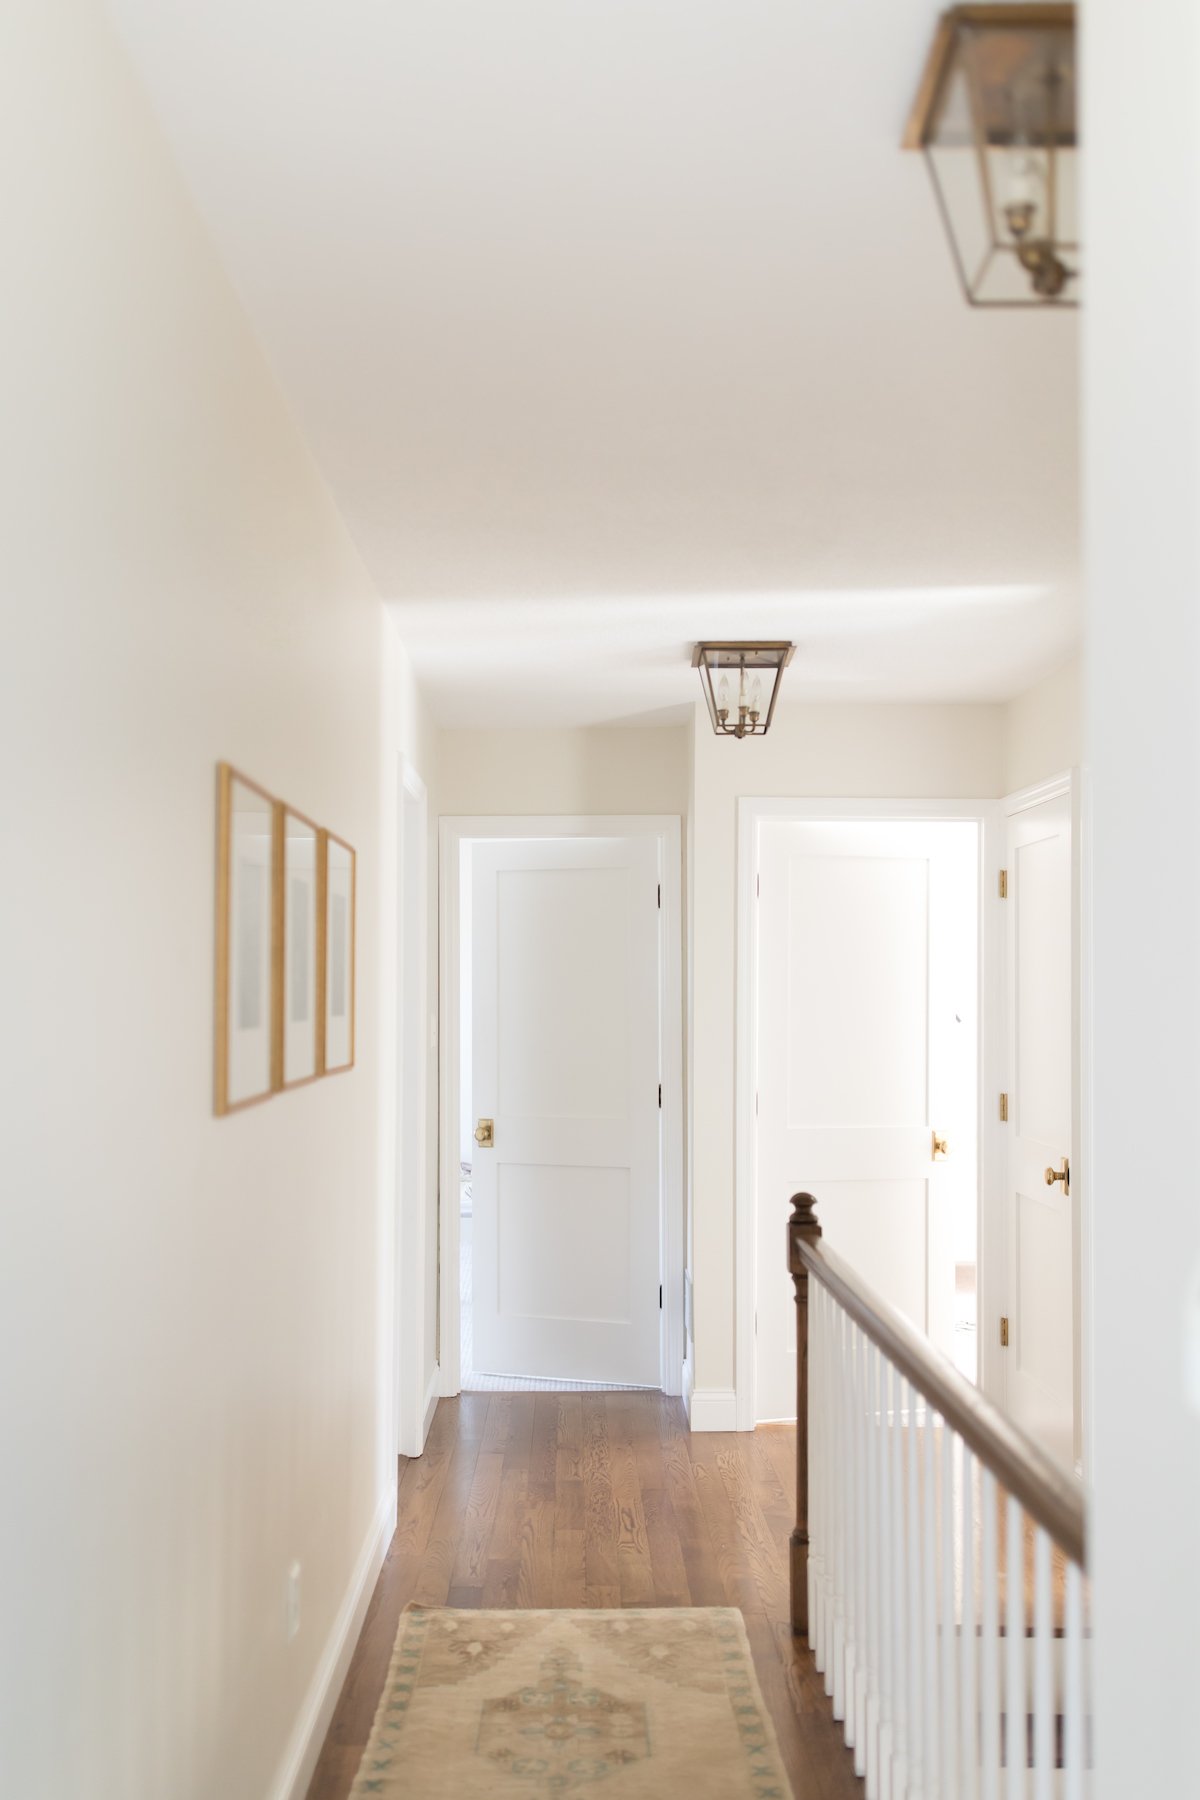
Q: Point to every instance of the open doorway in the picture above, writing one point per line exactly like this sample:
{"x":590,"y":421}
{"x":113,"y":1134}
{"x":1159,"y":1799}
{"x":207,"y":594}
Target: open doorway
{"x":862,"y":1032}
{"x":561,"y":1192}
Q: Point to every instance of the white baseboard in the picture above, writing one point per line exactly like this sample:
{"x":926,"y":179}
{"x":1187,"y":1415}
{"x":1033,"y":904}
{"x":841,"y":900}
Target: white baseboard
{"x":689,"y":1380}
{"x":304,"y":1748}
{"x":433,"y":1394}
{"x":713,"y":1409}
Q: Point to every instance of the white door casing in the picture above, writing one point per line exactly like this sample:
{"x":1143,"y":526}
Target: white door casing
{"x":868,"y":1041}
{"x":567,"y":1064}
{"x":1041,"y":1220}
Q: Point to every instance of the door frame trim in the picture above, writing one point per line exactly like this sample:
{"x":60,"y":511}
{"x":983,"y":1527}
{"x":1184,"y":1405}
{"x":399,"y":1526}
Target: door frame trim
{"x":752,"y":812}
{"x":410,"y":1411}
{"x":1071,"y":784}
{"x":453,"y":832}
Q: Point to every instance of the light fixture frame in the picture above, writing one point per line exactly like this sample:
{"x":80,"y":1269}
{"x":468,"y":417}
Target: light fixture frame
{"x":760,"y":655}
{"x":949,"y":43}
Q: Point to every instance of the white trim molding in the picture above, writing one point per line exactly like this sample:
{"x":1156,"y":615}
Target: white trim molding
{"x":453,"y":833}
{"x":752,"y":812}
{"x":413,"y":1175}
{"x":713,"y":1409}
{"x":308,"y":1735}
{"x":433,"y":1394}
{"x":1071,"y":783}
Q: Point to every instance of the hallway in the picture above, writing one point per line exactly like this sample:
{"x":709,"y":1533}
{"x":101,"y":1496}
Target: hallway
{"x":606,"y":1500}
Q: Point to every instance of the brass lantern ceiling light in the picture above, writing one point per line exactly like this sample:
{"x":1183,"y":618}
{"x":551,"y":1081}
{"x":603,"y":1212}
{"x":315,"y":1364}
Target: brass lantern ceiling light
{"x":995,"y":116}
{"x":741,"y":685}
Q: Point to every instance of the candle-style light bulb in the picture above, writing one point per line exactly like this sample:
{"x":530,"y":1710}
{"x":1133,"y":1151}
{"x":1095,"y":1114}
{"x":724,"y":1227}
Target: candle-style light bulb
{"x":1024,"y":192}
{"x":756,"y":697}
{"x":723,"y":696}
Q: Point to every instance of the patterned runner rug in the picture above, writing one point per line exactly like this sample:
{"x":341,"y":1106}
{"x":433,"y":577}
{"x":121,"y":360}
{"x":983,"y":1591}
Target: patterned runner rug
{"x":635,"y":1705}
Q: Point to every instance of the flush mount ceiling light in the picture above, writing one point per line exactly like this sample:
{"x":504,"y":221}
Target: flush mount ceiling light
{"x":741,"y":685}
{"x":995,"y":116}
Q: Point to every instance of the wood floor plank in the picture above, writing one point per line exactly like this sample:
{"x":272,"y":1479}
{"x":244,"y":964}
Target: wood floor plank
{"x":568,"y":1582}
{"x":601,"y":1500}
{"x":737,"y":1576}
{"x":437,"y":1567}
{"x":600,"y":1525}
{"x":569,"y":1439}
{"x":470,"y":1565}
{"x":760,"y":1549}
{"x":695,"y":1541}
{"x":543,"y":1448}
{"x":635,"y":1572}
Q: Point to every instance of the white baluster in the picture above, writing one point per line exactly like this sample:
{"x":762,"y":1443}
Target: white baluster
{"x":916,"y":1687}
{"x":816,"y":1471}
{"x":1015,"y":1687}
{"x":949,"y":1681}
{"x":1043,"y":1671}
{"x":968,"y":1786}
{"x":828,"y":1486}
{"x":989,"y":1648}
{"x":833,"y":1501}
{"x":929,"y":1608}
{"x":838,"y":1415}
{"x":854,"y":1735}
{"x":883,"y":1500}
{"x":1075,"y":1702}
{"x":901,"y":1589}
{"x":874,"y":1533}
{"x":861,"y":1628}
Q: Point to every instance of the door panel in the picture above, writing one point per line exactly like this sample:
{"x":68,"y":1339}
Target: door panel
{"x":868,"y":1039}
{"x":565,"y":1034}
{"x":880,"y":1229}
{"x":1040,"y":1218}
{"x":868,"y":986}
{"x":543,"y":1216}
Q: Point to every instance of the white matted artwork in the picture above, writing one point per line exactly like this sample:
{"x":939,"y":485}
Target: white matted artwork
{"x":246,"y":853}
{"x":301,"y":950}
{"x":339,"y":954}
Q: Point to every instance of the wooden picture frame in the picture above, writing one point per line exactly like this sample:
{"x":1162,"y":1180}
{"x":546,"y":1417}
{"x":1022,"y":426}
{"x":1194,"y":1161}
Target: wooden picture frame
{"x":298,"y":974}
{"x":337,"y":899}
{"x":247,"y":946}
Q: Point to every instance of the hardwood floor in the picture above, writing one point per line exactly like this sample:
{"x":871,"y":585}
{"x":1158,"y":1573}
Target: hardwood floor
{"x":597,"y":1499}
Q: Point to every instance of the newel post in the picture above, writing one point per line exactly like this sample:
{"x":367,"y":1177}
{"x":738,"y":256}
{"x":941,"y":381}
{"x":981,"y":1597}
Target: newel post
{"x":803,"y":1227}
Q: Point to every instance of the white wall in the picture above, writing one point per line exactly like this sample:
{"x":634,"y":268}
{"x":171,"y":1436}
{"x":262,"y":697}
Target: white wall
{"x":1142,"y":461}
{"x":840,"y":751}
{"x":1043,"y":729}
{"x":603,"y":769}
{"x":192,"y":1310}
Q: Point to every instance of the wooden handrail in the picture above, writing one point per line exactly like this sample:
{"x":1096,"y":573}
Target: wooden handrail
{"x":1050,"y":1496}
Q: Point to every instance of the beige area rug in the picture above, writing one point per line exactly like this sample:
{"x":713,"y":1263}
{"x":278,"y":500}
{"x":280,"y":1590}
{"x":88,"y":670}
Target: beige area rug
{"x":636,"y":1705}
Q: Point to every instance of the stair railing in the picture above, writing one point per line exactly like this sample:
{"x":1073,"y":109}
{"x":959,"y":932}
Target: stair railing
{"x":926,"y":1522}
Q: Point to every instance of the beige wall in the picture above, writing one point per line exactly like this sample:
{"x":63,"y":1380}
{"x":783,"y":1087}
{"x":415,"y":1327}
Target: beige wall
{"x":192,"y":1310}
{"x":1043,"y":729}
{"x":608,"y":769}
{"x":863,"y":752}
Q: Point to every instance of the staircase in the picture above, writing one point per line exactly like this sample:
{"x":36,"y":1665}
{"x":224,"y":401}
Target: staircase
{"x":938,"y":1560}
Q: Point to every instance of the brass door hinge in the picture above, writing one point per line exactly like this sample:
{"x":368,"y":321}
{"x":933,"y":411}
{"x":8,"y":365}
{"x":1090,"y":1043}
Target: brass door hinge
{"x":1004,"y":884}
{"x":1004,"y":1334}
{"x":1004,"y":1109}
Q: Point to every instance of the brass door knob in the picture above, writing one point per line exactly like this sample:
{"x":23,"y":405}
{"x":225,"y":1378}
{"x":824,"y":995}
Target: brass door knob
{"x":1063,"y":1175}
{"x":485,"y":1133}
{"x":941,"y":1147}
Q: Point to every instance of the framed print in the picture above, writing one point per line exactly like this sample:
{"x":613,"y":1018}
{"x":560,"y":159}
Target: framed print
{"x":246,"y":866}
{"x":298,"y":989}
{"x":338,"y":958}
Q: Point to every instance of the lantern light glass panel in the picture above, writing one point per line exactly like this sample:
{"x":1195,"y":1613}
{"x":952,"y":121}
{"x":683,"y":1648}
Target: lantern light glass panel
{"x":1000,"y":140}
{"x":741,"y":684}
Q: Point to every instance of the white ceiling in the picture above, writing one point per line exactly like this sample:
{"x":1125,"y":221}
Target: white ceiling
{"x":617,"y":323}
